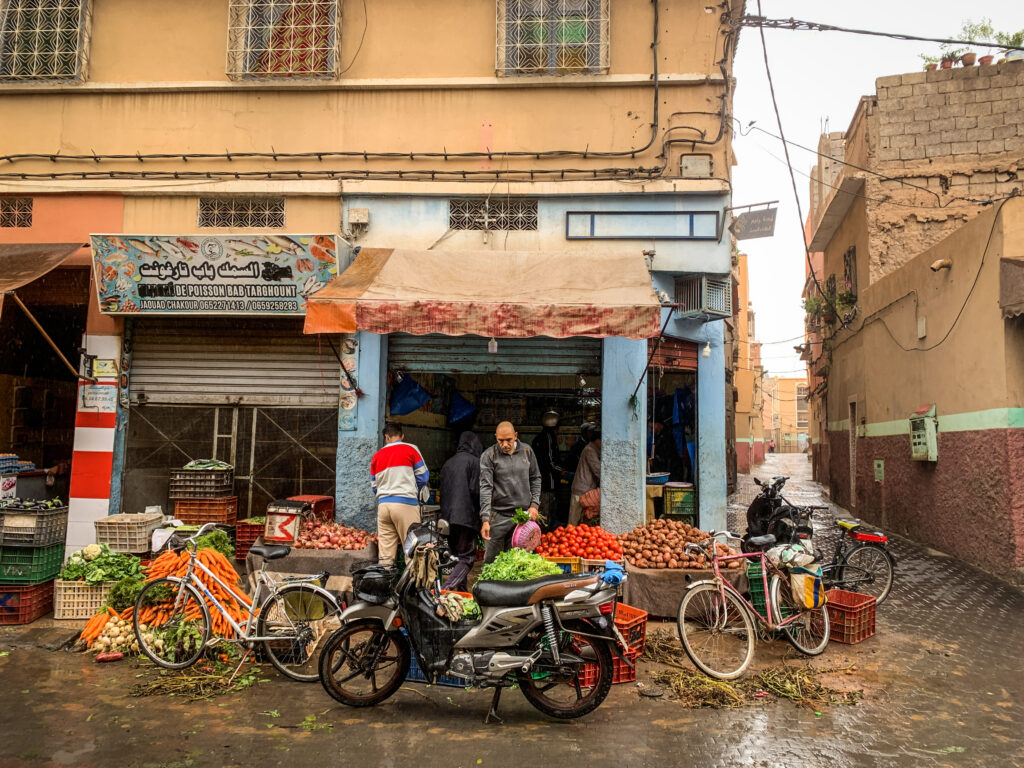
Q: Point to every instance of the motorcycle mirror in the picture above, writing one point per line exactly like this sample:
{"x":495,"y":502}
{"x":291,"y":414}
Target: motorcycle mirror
{"x":758,"y":483}
{"x":442,"y":527}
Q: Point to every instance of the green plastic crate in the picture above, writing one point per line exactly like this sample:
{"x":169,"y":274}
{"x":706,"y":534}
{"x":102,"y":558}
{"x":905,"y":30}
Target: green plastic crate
{"x":27,"y":565}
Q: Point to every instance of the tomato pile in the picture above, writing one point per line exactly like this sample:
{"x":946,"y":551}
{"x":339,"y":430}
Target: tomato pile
{"x":591,"y":542}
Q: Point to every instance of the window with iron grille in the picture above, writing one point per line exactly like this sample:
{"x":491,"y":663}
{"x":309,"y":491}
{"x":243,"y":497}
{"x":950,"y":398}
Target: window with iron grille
{"x":262,"y":212}
{"x":44,"y":39}
{"x":552,"y":37}
{"x":283,"y":38}
{"x":15,"y":212}
{"x":493,"y":214}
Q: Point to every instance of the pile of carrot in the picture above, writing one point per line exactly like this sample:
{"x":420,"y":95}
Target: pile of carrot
{"x":174,"y":564}
{"x":94,"y":627}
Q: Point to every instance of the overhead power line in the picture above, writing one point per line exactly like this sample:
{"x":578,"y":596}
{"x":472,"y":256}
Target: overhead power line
{"x":798,"y":25}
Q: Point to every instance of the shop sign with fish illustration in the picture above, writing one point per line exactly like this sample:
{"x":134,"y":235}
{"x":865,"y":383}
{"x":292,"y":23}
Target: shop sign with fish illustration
{"x":211,"y":275}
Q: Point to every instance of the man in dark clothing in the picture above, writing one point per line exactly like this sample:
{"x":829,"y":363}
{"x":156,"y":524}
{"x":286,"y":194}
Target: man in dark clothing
{"x":460,"y":506}
{"x":509,"y":480}
{"x":662,"y":454}
{"x":549,"y":460}
{"x":572,"y":456}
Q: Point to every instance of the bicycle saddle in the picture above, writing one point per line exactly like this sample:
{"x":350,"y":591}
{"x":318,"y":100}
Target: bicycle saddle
{"x":756,"y":541}
{"x":271,"y":551}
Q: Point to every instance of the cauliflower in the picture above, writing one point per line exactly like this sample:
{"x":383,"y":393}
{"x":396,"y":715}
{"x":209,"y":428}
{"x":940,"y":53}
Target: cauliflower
{"x":92,"y":551}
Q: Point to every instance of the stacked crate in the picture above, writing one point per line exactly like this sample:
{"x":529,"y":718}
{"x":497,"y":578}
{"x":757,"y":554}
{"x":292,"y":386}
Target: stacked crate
{"x":203,"y":496}
{"x":32,"y":537}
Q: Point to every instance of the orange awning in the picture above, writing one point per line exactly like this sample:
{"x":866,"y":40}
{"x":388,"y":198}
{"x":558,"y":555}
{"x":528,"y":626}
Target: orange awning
{"x":21,"y":263}
{"x":505,"y":294}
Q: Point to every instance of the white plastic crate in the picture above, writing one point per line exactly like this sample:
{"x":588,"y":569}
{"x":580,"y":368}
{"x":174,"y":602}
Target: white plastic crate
{"x":129,"y":534}
{"x":78,"y":600}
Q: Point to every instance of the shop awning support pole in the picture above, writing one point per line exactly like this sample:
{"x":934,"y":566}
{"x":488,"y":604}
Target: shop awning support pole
{"x":20,"y":303}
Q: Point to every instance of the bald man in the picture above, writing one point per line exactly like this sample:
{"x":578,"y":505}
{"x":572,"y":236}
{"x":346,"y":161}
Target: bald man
{"x":510,"y":479}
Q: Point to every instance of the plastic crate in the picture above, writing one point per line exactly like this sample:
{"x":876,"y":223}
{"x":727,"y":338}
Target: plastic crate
{"x":200,"y":483}
{"x":130,"y":534}
{"x":756,"y":587}
{"x":416,"y":675}
{"x":25,"y":565}
{"x":621,"y":672}
{"x":678,"y":502}
{"x":25,"y":604}
{"x":632,"y":623}
{"x":246,"y":534}
{"x":323,"y":507}
{"x":851,"y":616}
{"x":567,"y":564}
{"x":78,"y":600}
{"x":34,"y":528}
{"x":209,"y":510}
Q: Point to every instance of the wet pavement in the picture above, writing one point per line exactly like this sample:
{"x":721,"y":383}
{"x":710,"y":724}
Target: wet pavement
{"x":943,"y":681}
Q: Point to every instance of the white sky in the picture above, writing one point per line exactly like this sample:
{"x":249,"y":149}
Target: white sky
{"x":819,"y":77}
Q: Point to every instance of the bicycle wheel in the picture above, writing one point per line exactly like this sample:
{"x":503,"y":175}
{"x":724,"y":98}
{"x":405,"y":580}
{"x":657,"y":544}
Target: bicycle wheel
{"x":867,"y":569}
{"x":362,"y":664}
{"x":716,"y":631}
{"x":809,"y":632}
{"x":302,"y":617}
{"x":171,"y":623}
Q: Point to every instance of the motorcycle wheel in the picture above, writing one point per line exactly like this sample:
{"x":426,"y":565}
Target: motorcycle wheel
{"x":362,"y":664}
{"x":568,"y":691}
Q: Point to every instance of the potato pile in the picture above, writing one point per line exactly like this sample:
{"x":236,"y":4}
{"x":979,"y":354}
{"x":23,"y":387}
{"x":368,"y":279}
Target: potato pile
{"x":662,"y":544}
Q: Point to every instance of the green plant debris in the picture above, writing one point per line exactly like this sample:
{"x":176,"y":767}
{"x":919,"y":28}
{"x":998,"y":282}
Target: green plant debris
{"x":310,"y":723}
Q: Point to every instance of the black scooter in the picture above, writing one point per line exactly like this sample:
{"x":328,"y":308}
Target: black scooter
{"x":771,"y":513}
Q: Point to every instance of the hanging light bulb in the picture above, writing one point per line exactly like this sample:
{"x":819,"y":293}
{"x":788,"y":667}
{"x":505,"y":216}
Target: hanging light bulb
{"x":706,"y":352}
{"x":492,"y":346}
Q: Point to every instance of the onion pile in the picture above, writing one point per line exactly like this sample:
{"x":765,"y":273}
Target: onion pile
{"x":314,"y":534}
{"x":662,"y":544}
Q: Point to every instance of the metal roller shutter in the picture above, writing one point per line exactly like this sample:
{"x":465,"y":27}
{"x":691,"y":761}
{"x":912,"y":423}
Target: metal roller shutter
{"x":229,"y":361}
{"x":673,"y":354}
{"x":539,"y":355}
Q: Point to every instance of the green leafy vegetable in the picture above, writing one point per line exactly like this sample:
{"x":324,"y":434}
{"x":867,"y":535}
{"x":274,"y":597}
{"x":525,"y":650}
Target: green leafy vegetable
{"x":470,"y":609}
{"x":124,"y":593}
{"x":521,"y":517}
{"x":105,"y":566}
{"x":217,"y":540}
{"x":518,"y":565}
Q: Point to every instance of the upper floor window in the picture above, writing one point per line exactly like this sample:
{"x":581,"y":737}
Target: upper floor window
{"x":241,"y":212}
{"x":43,"y":39}
{"x":283,"y":38}
{"x":496,"y":213}
{"x":15,"y":212}
{"x":552,"y":37}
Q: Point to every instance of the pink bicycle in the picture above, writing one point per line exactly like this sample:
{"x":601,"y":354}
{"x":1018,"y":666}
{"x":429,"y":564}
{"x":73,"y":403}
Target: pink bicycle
{"x":716,"y":622}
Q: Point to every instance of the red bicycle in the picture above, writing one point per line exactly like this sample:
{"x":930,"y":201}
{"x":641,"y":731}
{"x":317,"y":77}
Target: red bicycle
{"x":716,"y":622}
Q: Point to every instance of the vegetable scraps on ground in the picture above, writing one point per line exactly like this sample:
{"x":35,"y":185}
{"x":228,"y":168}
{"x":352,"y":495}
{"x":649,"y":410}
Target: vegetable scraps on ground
{"x":589,"y":541}
{"x":314,"y":534}
{"x":97,"y":563}
{"x":518,"y":565}
{"x":662,"y":544}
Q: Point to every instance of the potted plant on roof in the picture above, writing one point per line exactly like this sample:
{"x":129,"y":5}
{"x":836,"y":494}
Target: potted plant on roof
{"x":931,"y":63}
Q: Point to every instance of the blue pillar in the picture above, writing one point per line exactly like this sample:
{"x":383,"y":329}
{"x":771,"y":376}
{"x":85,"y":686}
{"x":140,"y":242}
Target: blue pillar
{"x":623,"y":434}
{"x":711,"y":431}
{"x":354,"y":502}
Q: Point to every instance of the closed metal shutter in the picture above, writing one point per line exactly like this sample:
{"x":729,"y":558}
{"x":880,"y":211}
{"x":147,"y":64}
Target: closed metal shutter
{"x":673,"y":354}
{"x":540,"y":355}
{"x":228,"y":361}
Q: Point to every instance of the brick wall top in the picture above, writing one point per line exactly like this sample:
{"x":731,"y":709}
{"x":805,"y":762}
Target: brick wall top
{"x":950,"y":114}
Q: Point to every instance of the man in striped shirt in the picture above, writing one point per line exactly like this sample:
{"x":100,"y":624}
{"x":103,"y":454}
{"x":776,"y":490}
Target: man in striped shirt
{"x":399,"y":477}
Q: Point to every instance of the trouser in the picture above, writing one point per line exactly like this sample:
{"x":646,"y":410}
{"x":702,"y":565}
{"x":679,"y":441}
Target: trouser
{"x":549,"y":509}
{"x":501,"y":535}
{"x":462,"y":544}
{"x":393,"y":522}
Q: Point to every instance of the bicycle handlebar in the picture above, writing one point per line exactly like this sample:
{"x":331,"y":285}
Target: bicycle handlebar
{"x":192,"y":539}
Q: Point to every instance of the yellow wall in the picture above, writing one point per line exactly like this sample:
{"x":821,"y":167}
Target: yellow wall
{"x":747,"y":368}
{"x":168,"y":215}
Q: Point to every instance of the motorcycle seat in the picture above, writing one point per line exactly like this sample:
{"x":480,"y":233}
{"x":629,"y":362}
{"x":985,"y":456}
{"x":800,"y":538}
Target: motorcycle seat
{"x":761,"y":541}
{"x":504,"y":593}
{"x":271,"y":551}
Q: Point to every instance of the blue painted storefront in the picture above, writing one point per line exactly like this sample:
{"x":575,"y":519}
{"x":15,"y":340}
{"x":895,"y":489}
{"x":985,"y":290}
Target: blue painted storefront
{"x":421,"y":222}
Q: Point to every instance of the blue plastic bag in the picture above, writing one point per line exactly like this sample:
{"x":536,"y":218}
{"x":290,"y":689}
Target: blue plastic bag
{"x":460,"y":408}
{"x":407,"y":396}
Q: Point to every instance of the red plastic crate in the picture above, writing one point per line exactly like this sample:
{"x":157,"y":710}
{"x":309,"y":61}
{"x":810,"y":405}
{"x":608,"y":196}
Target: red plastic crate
{"x":851,"y":615}
{"x":323,"y":507}
{"x":246,"y":534}
{"x":621,"y":672}
{"x":199,"y":511}
{"x":632,"y":623}
{"x":23,"y":605}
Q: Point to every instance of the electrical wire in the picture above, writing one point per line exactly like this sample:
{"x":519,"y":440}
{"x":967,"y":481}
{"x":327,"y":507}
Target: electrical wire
{"x":362,"y":37}
{"x":798,"y":25}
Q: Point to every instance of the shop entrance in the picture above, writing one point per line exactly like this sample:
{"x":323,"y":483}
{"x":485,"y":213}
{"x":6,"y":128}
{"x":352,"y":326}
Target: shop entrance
{"x":672,"y":413}
{"x":439,"y":386}
{"x":254,"y":393}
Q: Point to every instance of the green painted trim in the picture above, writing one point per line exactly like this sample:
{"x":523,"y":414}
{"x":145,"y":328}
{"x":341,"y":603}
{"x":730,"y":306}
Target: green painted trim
{"x":747,"y":440}
{"x":972,"y":421}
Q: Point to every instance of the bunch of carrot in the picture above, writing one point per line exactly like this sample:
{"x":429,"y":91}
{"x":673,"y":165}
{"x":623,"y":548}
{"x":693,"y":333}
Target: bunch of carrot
{"x":94,"y":627}
{"x":174,"y":564}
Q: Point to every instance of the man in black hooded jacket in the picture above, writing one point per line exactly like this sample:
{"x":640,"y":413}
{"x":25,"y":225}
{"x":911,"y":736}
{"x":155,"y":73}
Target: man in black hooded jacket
{"x":460,"y":506}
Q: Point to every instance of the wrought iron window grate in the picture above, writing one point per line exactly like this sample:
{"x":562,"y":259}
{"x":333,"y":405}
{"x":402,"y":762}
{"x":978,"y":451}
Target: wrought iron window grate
{"x":552,"y":37}
{"x":262,"y":212}
{"x":283,"y":38}
{"x":15,"y":212}
{"x":495,"y":214}
{"x":44,"y":39}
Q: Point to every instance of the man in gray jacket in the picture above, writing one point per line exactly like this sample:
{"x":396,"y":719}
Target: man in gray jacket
{"x":509,"y":480}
